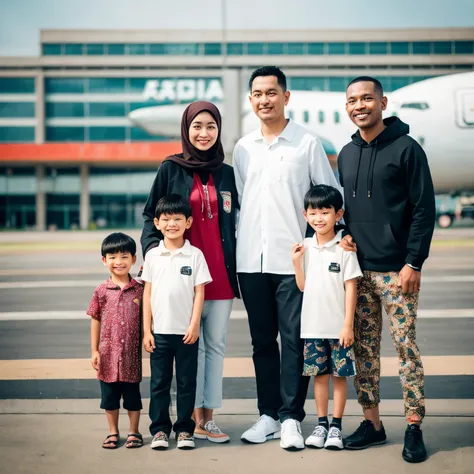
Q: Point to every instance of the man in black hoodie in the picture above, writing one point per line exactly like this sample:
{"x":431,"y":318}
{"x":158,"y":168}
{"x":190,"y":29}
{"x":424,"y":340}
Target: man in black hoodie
{"x":390,"y":213}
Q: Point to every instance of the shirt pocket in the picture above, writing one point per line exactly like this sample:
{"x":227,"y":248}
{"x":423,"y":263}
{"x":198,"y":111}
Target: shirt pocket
{"x":290,"y":170}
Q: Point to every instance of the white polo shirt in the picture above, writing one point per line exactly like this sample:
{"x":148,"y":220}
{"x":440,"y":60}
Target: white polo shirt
{"x":173,"y":276}
{"x":272,"y":180}
{"x":327,"y":267}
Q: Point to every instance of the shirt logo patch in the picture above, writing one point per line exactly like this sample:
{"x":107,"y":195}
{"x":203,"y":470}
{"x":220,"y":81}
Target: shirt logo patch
{"x":227,"y":198}
{"x":334,"y":267}
{"x":186,"y":271}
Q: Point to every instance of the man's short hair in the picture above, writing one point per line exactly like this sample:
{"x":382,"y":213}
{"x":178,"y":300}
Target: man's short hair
{"x":377,"y":84}
{"x":118,"y":243}
{"x":269,"y":71}
{"x":323,"y":196}
{"x":173,"y":204}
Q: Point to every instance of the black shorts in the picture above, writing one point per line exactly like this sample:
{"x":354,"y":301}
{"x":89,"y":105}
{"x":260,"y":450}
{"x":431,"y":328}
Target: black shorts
{"x":113,"y":392}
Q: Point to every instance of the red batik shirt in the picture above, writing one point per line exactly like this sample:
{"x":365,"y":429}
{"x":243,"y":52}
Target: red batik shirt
{"x":118,"y":311}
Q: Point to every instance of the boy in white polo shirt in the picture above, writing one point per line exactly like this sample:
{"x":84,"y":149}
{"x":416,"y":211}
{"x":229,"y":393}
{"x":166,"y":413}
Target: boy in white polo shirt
{"x":175,"y":273}
{"x":329,"y":283}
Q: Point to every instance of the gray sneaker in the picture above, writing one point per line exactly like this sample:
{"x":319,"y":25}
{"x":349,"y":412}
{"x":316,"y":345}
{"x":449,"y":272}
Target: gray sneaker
{"x":185,"y":440}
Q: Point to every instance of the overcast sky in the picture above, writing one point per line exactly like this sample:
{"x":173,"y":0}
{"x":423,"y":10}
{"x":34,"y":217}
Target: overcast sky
{"x":21,"y":20}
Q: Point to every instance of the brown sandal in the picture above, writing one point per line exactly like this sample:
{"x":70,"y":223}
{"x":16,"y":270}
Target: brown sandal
{"x":111,"y":443}
{"x":134,"y":443}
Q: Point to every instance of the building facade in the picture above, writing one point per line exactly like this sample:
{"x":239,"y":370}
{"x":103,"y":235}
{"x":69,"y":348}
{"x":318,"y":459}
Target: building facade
{"x":70,"y":157}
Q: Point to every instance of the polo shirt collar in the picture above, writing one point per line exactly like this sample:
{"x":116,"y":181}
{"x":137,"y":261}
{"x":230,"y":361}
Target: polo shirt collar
{"x":331,"y":243}
{"x":185,"y":249}
{"x":288,"y":133}
{"x":112,"y":286}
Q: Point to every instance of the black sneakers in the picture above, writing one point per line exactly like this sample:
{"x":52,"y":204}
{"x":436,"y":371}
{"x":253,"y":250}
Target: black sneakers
{"x":414,"y":448}
{"x":364,"y":436}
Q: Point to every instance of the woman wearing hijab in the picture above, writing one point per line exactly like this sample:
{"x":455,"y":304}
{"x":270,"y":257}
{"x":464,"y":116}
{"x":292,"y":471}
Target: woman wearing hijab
{"x":200,"y":175}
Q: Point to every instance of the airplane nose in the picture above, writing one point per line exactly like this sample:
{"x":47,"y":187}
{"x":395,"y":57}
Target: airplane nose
{"x":159,"y":120}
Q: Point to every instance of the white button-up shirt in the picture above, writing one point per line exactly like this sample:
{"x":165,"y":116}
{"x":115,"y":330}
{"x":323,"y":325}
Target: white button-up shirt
{"x":272,"y":180}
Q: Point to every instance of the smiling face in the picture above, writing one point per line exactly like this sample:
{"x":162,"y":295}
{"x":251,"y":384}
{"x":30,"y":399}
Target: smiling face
{"x":365,"y":105}
{"x":268,"y":99}
{"x":203,"y":131}
{"x":173,"y":226}
{"x":323,"y":220}
{"x":119,"y":263}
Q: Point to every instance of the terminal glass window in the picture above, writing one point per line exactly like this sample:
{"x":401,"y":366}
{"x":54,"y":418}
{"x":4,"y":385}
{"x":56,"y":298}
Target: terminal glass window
{"x":65,"y":85}
{"x":65,"y":134}
{"x":400,"y":81}
{"x":357,"y":48}
{"x":17,"y":109}
{"x":52,"y":49}
{"x":157,"y":48}
{"x":212,"y":48}
{"x":139,"y":135}
{"x":95,"y":49}
{"x":336,"y":48}
{"x":463,"y":47}
{"x":107,"y":134}
{"x":73,"y":49}
{"x":116,"y":49}
{"x":17,"y":134}
{"x":255,"y":48}
{"x":17,"y":85}
{"x":399,"y":47}
{"x":108,"y":84}
{"x":235,"y":49}
{"x":378,"y":48}
{"x":276,"y":48}
{"x":105,"y":109}
{"x":296,"y":48}
{"x":64,"y":109}
{"x":421,"y":47}
{"x":442,"y":47}
{"x":137,"y":49}
{"x":338,"y":84}
{"x":315,"y":48}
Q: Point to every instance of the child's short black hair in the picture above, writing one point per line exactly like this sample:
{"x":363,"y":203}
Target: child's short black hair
{"x":173,"y":204}
{"x":118,"y":242}
{"x":323,"y":196}
{"x":269,"y":71}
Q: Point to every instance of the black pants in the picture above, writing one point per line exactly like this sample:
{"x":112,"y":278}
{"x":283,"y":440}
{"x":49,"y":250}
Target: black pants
{"x":169,"y":348}
{"x":273,"y":303}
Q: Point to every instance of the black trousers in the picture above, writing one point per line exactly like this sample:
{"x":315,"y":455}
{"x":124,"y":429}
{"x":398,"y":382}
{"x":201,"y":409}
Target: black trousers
{"x":273,"y":303}
{"x":170,"y":348}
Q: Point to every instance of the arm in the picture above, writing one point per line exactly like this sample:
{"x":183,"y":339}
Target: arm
{"x":151,"y":236}
{"x":238,"y":165}
{"x":297,"y":253}
{"x":95,"y":338}
{"x":148,"y":339}
{"x":192,"y":334}
{"x":346,"y":337}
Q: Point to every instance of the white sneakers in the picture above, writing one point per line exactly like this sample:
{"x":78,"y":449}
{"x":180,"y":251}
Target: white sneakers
{"x":321,"y":438}
{"x":291,"y":436}
{"x":264,"y":429}
{"x":160,"y":441}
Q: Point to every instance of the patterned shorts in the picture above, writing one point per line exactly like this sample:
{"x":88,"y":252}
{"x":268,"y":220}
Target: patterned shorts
{"x":327,"y":356}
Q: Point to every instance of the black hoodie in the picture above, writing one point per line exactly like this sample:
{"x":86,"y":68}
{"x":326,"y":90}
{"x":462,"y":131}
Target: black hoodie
{"x":389,"y":198}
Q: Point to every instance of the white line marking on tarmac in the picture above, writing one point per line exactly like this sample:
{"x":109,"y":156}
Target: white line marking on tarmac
{"x":237,"y":314}
{"x":94,"y":283}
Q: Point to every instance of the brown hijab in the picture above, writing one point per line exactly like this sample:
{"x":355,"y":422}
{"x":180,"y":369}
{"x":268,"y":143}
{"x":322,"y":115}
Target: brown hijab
{"x":193,"y":159}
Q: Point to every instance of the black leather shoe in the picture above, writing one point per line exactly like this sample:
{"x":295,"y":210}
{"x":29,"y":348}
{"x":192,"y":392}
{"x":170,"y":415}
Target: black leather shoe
{"x":366,"y":435}
{"x":414,"y":448}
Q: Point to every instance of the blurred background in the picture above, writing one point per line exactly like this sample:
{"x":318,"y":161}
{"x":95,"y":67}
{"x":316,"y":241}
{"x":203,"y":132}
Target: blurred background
{"x":92,"y":92}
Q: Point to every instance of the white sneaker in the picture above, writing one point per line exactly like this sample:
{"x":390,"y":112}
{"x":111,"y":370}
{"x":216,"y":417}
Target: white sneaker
{"x":264,"y":429}
{"x":160,"y":441}
{"x":185,"y":440}
{"x":317,"y":437}
{"x":291,"y":436}
{"x":334,"y":439}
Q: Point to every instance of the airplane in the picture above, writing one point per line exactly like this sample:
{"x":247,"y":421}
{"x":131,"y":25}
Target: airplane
{"x":439,"y":111}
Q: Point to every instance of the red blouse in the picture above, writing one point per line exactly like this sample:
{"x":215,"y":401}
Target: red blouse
{"x":205,"y":235}
{"x":118,"y":311}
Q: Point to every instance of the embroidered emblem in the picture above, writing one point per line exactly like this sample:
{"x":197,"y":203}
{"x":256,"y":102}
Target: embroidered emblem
{"x":227,"y":198}
{"x":186,"y":271}
{"x":334,"y":267}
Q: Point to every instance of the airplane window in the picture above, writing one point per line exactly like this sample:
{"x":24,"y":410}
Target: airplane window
{"x":306,"y":116}
{"x":337,"y":117}
{"x":321,"y":116}
{"x":290,"y":114}
{"x":415,"y":105}
{"x":421,"y":141}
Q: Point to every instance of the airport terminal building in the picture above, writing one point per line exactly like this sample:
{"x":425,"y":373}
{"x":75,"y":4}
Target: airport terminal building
{"x":71,"y":158}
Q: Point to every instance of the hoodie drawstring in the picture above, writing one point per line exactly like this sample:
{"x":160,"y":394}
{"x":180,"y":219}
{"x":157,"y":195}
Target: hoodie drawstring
{"x":354,"y":187}
{"x":370,"y":171}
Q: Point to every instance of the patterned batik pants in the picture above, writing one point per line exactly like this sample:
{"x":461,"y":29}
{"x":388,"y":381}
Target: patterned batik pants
{"x":374,"y":290}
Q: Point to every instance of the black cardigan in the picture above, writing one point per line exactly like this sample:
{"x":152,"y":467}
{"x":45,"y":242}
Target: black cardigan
{"x":172,"y":178}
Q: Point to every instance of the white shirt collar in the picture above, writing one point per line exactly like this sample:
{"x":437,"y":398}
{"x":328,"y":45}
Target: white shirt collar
{"x":331,"y":243}
{"x":287,"y":133}
{"x":185,"y":249}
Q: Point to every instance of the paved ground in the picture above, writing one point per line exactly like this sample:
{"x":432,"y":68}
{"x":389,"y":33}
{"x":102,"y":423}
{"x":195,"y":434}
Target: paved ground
{"x":49,"y":416}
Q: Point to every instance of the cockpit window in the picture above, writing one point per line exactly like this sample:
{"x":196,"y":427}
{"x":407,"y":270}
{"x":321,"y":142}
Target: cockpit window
{"x":415,"y":105}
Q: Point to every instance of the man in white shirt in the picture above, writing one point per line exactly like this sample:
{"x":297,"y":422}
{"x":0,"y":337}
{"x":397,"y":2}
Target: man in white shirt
{"x":274,"y":168}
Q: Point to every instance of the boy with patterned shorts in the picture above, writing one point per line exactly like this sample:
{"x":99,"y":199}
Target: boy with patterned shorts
{"x":329,"y":283}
